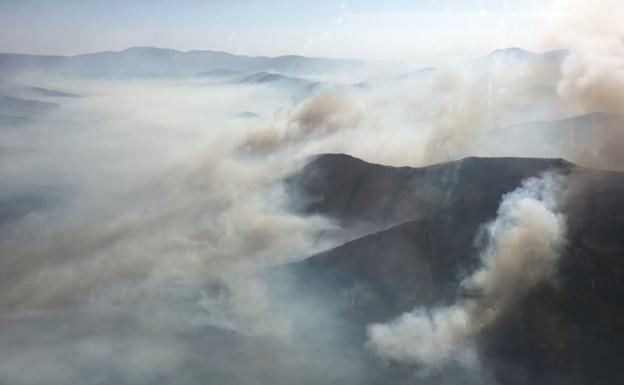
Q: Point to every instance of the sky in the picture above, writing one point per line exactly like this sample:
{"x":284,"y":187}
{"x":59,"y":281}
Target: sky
{"x":406,"y":30}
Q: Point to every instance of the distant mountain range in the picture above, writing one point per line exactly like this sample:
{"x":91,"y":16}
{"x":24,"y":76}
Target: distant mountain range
{"x":590,"y":139}
{"x":546,"y":61}
{"x":159,"y":62}
{"x":241,"y":77}
{"x":163,"y":62}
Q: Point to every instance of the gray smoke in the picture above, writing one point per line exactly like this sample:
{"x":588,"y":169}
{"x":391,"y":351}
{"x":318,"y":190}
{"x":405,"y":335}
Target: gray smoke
{"x":324,"y":112}
{"x":146,"y":214}
{"x":592,"y":75}
{"x":523,"y":246}
{"x":145,"y":255}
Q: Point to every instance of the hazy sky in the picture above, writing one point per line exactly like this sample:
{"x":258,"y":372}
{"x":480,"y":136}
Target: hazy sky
{"x":417,"y":30}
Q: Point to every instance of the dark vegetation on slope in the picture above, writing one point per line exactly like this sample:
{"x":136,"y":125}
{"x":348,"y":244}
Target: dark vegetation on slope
{"x":566,"y":332}
{"x":356,"y":192}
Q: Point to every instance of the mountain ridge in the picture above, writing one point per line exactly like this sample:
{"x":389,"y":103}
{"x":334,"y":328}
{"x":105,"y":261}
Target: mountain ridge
{"x":140,"y":61}
{"x":420,"y":263}
{"x":372,"y":196}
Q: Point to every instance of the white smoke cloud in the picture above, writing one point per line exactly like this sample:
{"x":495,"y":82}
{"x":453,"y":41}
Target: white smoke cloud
{"x":524,"y":244}
{"x":430,"y":338}
{"x":158,"y":232}
{"x":420,"y":120}
{"x":323,"y":113}
{"x":168,"y":199}
{"x":592,"y":73}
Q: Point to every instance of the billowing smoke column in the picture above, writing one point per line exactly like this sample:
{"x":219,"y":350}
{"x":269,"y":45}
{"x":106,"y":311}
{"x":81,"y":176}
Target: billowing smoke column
{"x":523,"y":246}
{"x":592,"y":75}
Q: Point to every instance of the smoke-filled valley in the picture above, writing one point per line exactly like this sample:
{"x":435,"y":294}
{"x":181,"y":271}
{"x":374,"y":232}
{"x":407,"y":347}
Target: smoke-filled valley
{"x":200,"y":217}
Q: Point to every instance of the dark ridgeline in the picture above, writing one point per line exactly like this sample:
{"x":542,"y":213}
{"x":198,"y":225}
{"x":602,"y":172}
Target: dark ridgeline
{"x":356,"y":192}
{"x":567,"y":332}
{"x":422,"y":224}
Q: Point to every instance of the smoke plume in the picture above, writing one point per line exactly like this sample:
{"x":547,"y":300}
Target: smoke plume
{"x":321,"y":114}
{"x":592,"y":74}
{"x":150,"y":212}
{"x":144,"y":256}
{"x":523,"y":245}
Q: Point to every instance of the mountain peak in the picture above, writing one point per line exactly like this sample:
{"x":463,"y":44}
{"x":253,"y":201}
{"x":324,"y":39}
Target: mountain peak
{"x":148,"y":48}
{"x":512,"y":52}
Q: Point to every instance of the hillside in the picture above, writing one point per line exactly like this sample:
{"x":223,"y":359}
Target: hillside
{"x":419,"y":263}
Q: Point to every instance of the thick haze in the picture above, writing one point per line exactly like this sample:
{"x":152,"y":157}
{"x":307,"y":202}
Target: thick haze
{"x":386,"y":30}
{"x":140,"y":211}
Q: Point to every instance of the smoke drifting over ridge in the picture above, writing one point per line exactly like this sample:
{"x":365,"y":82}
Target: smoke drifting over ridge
{"x":525,"y":240}
{"x":326,"y":111}
{"x":523,"y":245}
{"x":157,"y":235}
{"x":186,"y":219}
{"x":169,"y":210}
{"x":593,"y":73}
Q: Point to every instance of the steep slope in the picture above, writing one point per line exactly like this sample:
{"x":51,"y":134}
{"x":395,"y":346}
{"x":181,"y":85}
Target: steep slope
{"x":566,"y":332}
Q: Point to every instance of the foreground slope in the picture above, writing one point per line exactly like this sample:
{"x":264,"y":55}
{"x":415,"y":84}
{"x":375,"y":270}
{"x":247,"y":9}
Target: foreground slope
{"x":566,"y":332}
